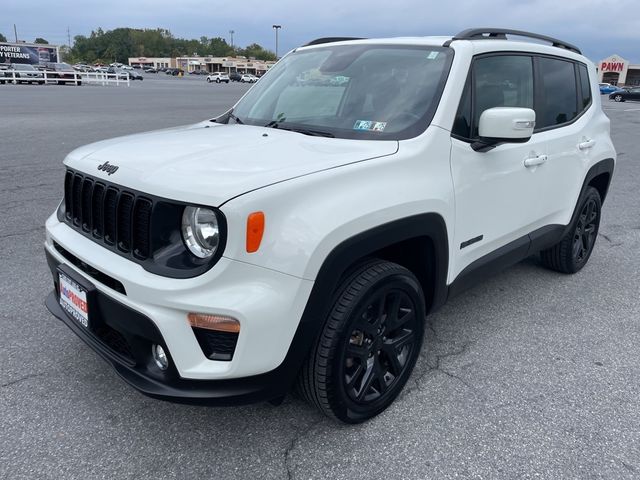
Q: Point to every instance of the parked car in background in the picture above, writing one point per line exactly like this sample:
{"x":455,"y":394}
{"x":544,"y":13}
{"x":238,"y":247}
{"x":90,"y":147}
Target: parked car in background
{"x":62,"y":73}
{"x":624,"y":94}
{"x":235,"y":76}
{"x":121,"y":74}
{"x":150,"y":70}
{"x":23,"y":73}
{"x":218,"y":77}
{"x":134,"y":75}
{"x":606,"y":88}
{"x":247,"y":78}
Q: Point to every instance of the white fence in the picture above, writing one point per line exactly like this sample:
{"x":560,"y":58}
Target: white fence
{"x":42,"y":77}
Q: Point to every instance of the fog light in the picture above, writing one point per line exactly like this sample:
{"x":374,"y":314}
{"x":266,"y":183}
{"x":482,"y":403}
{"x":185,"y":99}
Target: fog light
{"x":160,"y":357}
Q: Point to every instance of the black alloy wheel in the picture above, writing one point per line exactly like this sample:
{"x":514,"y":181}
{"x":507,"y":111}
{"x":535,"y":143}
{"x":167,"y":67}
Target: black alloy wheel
{"x":573,"y":250}
{"x":382,"y":340}
{"x":368,"y":345}
{"x":585,"y":233}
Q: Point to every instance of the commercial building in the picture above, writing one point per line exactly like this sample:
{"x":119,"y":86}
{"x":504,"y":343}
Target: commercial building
{"x":224,"y":64}
{"x":155,"y":62}
{"x":618,"y":71}
{"x":28,"y":53}
{"x":208,"y":64}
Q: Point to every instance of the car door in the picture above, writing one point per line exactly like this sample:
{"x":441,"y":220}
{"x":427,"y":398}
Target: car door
{"x":564,"y":122}
{"x":495,"y":193}
{"x":634,"y":94}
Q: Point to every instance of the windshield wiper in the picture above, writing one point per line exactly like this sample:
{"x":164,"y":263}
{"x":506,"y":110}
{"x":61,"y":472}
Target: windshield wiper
{"x":310,"y":132}
{"x":235,"y":119}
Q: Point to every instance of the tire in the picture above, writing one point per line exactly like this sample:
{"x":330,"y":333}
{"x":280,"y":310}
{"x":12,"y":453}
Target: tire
{"x":41,"y":82}
{"x":217,"y":80}
{"x":364,"y":354}
{"x":572,"y":252}
{"x":208,"y":80}
{"x":618,"y":98}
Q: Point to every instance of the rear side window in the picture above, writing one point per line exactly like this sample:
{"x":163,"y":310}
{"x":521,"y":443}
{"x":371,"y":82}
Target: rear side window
{"x":560,"y":95}
{"x":585,"y":86}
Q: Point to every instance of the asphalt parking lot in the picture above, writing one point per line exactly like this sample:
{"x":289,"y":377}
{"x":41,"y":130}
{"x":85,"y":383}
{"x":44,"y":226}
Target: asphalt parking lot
{"x":531,"y":374}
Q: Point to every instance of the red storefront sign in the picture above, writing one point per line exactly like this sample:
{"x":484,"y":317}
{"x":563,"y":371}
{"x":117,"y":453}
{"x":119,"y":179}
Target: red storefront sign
{"x":612,"y":66}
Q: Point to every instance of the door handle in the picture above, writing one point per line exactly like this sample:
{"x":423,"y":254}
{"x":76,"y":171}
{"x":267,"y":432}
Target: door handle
{"x":534,"y":161}
{"x":587,"y":144}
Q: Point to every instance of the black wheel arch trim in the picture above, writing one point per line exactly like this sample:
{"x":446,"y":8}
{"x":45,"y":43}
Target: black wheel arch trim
{"x":603,"y":166}
{"x":348,"y":253}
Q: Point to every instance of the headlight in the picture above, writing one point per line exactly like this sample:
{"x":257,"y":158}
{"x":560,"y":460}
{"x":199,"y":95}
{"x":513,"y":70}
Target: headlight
{"x":200,"y":231}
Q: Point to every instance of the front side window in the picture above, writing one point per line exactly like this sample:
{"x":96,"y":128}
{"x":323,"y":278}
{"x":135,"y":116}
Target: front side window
{"x":560,"y":94}
{"x":495,"y":81}
{"x":502,"y":81}
{"x":383,"y":92}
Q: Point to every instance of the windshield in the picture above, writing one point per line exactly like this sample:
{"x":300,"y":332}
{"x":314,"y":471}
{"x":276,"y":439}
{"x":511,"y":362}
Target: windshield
{"x":384,"y":92}
{"x":21,"y":66}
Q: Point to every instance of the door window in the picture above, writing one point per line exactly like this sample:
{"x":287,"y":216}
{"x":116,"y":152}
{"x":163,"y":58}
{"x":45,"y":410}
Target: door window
{"x":585,"y":86}
{"x":495,"y":81}
{"x":559,"y":93}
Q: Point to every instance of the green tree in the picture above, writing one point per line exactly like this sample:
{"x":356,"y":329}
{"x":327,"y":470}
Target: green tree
{"x":3,"y":38}
{"x":41,"y":40}
{"x":121,"y":43}
{"x":256,"y":51}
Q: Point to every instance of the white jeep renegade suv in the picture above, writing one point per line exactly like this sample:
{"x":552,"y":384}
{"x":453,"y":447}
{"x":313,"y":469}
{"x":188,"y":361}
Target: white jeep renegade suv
{"x":302,"y":237}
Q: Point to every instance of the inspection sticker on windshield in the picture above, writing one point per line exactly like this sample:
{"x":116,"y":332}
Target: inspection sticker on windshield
{"x":432,"y":55}
{"x":369,"y":126}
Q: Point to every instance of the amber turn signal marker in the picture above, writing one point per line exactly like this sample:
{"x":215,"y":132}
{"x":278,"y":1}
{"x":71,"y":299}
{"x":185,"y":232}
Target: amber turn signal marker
{"x":219,"y":323}
{"x":255,"y":229}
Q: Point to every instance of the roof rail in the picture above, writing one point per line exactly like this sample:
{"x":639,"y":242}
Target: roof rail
{"x":501,"y":34}
{"x":320,"y":41}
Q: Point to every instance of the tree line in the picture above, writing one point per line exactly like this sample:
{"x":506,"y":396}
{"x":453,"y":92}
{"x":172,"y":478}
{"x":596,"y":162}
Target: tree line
{"x":119,"y":44}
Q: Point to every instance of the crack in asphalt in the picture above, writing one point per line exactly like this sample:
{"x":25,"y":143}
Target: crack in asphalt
{"x":299,"y":435}
{"x":437,"y":366}
{"x":22,"y":379}
{"x":608,"y":239}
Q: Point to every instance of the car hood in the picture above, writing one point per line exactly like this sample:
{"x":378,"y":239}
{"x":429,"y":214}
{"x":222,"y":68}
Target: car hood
{"x":209,"y":163}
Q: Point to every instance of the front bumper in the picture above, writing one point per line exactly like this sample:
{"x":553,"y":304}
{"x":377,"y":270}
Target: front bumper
{"x":146,"y":309}
{"x":167,"y":385}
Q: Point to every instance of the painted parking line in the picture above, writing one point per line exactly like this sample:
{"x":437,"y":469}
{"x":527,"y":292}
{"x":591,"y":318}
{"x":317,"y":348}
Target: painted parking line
{"x":632,"y":110}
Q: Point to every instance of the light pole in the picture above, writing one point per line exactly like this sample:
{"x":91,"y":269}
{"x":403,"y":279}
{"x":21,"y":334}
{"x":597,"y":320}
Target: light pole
{"x":231,"y":32}
{"x":276,"y":28}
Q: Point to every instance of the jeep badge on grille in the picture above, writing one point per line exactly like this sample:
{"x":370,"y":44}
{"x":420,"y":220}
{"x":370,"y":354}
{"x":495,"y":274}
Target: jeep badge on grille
{"x":107,"y":167}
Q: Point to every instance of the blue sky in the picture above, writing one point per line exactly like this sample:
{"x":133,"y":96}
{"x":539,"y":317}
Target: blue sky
{"x":598,"y":27}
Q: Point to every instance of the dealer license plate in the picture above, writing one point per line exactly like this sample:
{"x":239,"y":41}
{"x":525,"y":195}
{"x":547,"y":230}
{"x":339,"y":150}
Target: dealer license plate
{"x":73,"y":300}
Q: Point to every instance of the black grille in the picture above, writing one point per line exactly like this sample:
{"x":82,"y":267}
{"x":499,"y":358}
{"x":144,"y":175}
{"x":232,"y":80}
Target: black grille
{"x":109,"y":213}
{"x":216,"y":345}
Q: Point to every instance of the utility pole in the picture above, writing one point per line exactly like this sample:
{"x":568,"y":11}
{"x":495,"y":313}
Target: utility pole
{"x":15,"y":32}
{"x":69,"y":37}
{"x":231,"y":32}
{"x":276,"y":28}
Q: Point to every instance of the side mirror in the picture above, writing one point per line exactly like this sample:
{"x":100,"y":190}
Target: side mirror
{"x":504,"y":125}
